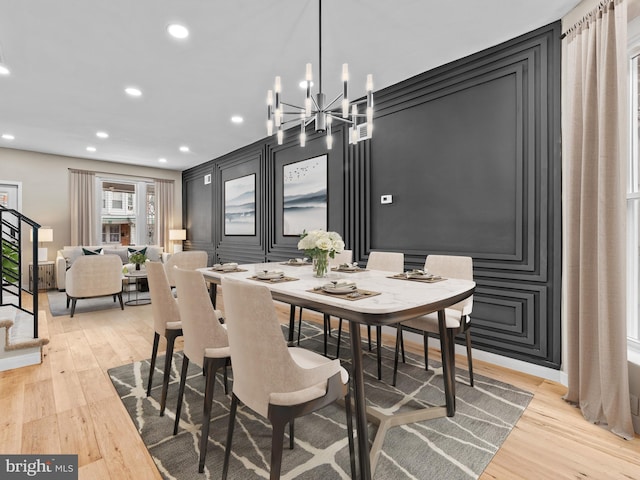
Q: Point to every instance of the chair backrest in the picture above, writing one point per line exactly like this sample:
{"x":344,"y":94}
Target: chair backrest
{"x":201,"y":327}
{"x":386,"y":261}
{"x":94,"y":276}
{"x":189,"y":260}
{"x":346,"y":256}
{"x":163,"y":305}
{"x":453,"y":266}
{"x":261,"y":361}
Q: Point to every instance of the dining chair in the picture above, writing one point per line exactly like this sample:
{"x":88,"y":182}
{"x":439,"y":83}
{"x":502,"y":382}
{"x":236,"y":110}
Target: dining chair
{"x":392,"y":262}
{"x":166,"y":322}
{"x":277,"y":382}
{"x":205,"y":344}
{"x":187,"y":260}
{"x":346,"y":256}
{"x":458,"y":318}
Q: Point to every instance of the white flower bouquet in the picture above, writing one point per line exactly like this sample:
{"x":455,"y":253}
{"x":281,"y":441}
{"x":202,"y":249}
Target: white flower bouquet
{"x":320,"y":245}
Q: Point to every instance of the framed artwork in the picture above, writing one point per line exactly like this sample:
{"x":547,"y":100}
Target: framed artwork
{"x":305,"y":196}
{"x":240,"y":206}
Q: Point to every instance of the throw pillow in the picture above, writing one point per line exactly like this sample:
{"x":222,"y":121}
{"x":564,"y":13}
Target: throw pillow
{"x":86,"y":251}
{"x":121,"y":252}
{"x":137,"y":250}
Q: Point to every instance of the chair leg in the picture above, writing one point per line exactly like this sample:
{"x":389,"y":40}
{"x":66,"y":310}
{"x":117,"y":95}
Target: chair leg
{"x":121,"y":302}
{"x":291,"y":423}
{"x":339,"y":336}
{"x":183,"y":379}
{"x":227,"y":448}
{"x":171,"y":336}
{"x":379,"y":350}
{"x":299,"y":323}
{"x":152,"y":367}
{"x":210,"y":367}
{"x":469,"y":359}
{"x":73,"y":306}
{"x":395,"y":360}
{"x":327,"y":328}
{"x":404,"y":359}
{"x":68,"y":300}
{"x":277,"y":439}
{"x":425,"y":341}
{"x":369,"y":335}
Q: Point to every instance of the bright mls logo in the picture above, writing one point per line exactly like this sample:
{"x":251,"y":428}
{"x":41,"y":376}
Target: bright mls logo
{"x":50,"y":467}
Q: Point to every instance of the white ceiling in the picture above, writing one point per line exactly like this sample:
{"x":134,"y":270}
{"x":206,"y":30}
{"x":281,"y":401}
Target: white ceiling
{"x":71,"y":60}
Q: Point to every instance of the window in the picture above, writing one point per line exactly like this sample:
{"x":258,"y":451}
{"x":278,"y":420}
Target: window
{"x":128,"y":213}
{"x":633,"y":211}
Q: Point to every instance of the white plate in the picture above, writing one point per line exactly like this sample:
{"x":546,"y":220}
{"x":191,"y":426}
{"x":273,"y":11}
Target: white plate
{"x":339,"y":288}
{"x":269,"y":275}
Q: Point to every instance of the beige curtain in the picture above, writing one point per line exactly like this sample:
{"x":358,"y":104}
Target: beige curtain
{"x":82,"y":207}
{"x":594,"y":132}
{"x":164,"y":212}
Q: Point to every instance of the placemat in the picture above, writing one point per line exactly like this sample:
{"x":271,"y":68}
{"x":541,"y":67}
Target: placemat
{"x":274,"y":280}
{"x":349,"y":295}
{"x":402,"y":276}
{"x":220,"y":270}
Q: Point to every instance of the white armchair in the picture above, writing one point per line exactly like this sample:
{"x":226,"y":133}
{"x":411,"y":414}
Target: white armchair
{"x":94,"y":276}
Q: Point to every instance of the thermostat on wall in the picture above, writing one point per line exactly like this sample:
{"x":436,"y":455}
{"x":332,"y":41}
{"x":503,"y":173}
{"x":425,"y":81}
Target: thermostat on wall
{"x":386,"y":199}
{"x":207,"y":179}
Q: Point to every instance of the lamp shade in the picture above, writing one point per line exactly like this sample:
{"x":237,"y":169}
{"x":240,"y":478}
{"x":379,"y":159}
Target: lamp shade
{"x":45,"y":234}
{"x":177,"y":234}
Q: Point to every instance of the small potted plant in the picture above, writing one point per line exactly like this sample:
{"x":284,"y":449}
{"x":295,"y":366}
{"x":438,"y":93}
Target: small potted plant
{"x":138,"y":259}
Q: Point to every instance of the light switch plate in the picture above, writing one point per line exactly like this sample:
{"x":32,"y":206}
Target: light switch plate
{"x":207,"y":179}
{"x":384,"y":199}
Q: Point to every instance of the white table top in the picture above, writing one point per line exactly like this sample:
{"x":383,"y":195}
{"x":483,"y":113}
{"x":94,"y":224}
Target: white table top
{"x":399,"y":299}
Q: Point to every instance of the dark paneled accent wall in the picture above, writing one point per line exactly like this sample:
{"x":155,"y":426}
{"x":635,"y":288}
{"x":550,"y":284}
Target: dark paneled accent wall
{"x":471,"y":154}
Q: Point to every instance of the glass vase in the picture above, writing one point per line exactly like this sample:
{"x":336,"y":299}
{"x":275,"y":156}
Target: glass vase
{"x":321,"y":264}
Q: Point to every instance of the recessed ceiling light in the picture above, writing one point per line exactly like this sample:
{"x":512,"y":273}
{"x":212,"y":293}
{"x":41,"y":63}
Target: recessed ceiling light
{"x":184,"y":149}
{"x":8,"y":136}
{"x":237,"y":119}
{"x":4,"y":70}
{"x":303,"y":84}
{"x":91,"y":149}
{"x":133,"y":91}
{"x":102,"y":135}
{"x":177,"y":31}
{"x":162,"y":160}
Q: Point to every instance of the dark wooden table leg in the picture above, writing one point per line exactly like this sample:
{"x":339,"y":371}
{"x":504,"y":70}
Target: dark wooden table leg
{"x":448,"y":364}
{"x":359,"y":399}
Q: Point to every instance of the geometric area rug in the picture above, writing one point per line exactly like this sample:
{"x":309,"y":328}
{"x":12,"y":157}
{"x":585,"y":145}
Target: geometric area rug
{"x":453,"y":448}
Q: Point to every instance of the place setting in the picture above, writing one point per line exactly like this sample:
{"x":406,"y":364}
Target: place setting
{"x":348,"y":268}
{"x":418,"y":276}
{"x":271,"y":276}
{"x":230,"y":267}
{"x":343,"y":289}
{"x":297,"y":262}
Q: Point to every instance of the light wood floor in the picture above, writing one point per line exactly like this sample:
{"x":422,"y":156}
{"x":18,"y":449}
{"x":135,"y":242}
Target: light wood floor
{"x":68,"y":405}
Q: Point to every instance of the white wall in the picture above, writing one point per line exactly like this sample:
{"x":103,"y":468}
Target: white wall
{"x":45,"y":189}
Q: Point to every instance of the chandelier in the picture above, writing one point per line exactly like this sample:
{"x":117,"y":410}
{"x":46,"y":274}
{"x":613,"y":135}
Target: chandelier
{"x":316,"y":110}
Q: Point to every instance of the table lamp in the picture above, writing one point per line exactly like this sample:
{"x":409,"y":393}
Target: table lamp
{"x":177,"y":236}
{"x":45,"y":234}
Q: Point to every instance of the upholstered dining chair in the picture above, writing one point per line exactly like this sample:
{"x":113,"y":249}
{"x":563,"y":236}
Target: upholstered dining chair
{"x":205,"y":344}
{"x":188,"y":260}
{"x":166,"y":323}
{"x":392,"y":262}
{"x":346,"y":256}
{"x":274,"y":381}
{"x":458,"y":318}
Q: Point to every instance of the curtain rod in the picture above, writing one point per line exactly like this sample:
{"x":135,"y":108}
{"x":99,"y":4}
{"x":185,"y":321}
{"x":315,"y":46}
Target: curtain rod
{"x":120,"y":174}
{"x":588,"y":16}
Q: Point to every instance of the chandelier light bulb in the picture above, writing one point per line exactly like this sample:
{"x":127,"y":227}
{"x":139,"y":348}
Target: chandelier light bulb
{"x":278,"y":85}
{"x":309,"y":74}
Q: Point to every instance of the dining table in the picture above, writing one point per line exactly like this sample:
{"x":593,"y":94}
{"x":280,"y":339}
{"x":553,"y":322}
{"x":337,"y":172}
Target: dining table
{"x":378,"y":299}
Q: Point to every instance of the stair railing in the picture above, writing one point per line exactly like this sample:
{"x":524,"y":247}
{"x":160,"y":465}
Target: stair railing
{"x":12,"y":224}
